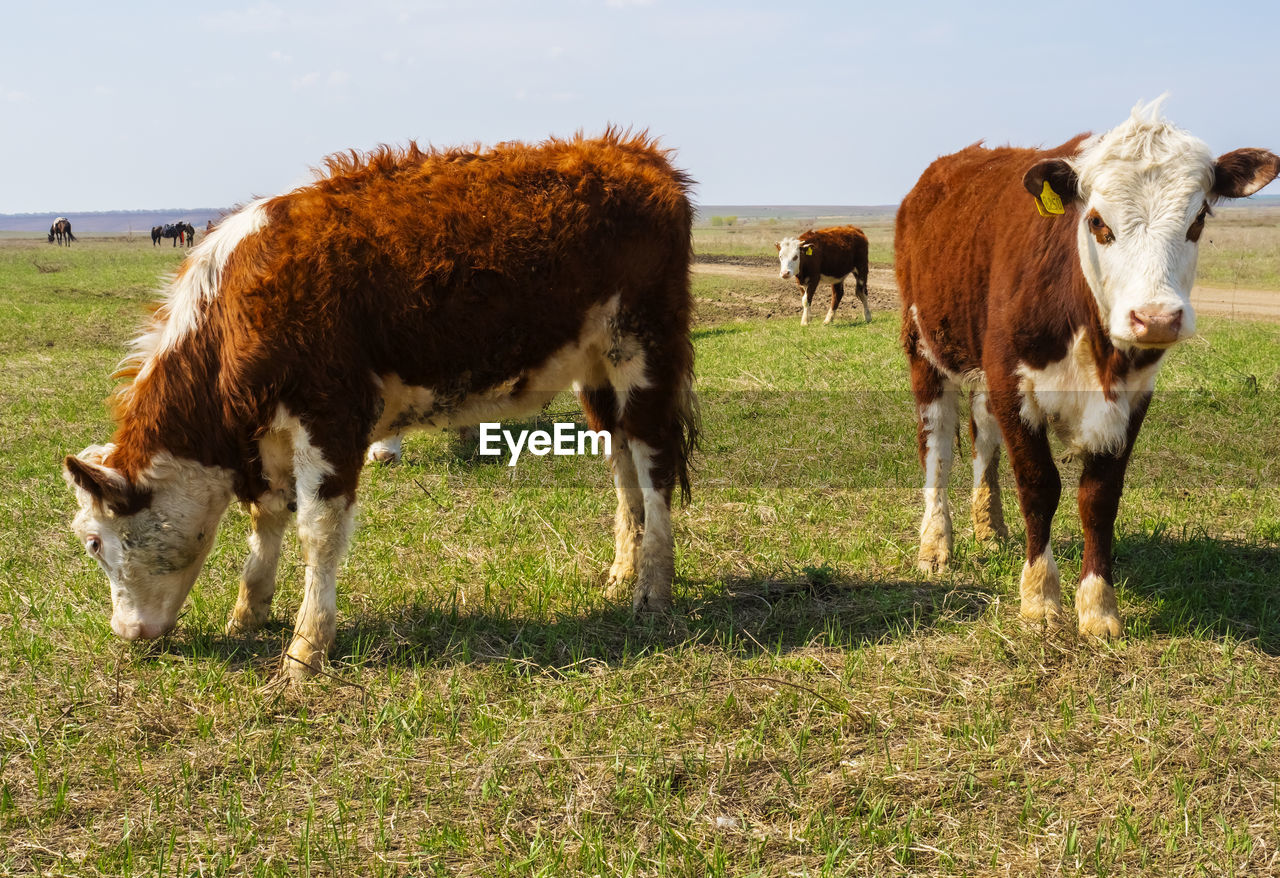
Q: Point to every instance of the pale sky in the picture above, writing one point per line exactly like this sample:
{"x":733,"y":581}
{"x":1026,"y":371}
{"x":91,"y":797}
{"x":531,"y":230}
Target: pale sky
{"x":107,"y":106}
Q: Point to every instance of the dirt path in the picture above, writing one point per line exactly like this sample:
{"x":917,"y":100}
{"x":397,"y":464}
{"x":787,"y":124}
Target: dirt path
{"x":1250,"y":304}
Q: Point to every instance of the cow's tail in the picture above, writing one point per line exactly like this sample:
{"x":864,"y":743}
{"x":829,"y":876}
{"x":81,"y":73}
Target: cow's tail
{"x":689,"y":423}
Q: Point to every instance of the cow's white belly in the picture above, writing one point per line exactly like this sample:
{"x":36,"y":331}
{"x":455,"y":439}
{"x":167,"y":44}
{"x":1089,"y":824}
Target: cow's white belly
{"x":599,"y":356}
{"x":1068,"y":396}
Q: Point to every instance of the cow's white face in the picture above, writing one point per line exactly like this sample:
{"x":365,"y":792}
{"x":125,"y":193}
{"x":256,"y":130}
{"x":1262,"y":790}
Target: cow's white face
{"x":788,"y":257}
{"x":1143,"y":192}
{"x":153,"y":554}
{"x":1138,"y":250}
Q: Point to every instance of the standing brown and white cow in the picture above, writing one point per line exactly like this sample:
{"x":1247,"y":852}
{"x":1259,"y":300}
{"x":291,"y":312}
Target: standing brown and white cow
{"x":826,"y":256}
{"x":1055,"y":321}
{"x":307,"y":325}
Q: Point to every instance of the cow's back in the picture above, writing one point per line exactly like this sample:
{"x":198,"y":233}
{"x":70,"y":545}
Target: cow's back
{"x":970,"y":244}
{"x":469,"y":266}
{"x":840,"y":251}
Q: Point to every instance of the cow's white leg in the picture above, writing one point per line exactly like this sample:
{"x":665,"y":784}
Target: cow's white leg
{"x":628,"y":521}
{"x":937,"y":434}
{"x":385,"y":450}
{"x":837,"y":293}
{"x":1099,"y":614}
{"x":804,"y":309}
{"x":860,"y":290}
{"x":988,"y":514}
{"x":656,"y":565}
{"x":324,"y":530}
{"x":269,"y":517}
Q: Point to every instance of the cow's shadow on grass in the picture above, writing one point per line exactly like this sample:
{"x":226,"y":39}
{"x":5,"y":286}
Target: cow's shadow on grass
{"x":1201,"y":585}
{"x":742,"y":616}
{"x":1180,"y":586}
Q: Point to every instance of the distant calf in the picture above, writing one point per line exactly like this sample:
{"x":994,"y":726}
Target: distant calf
{"x":1050,"y":283}
{"x":301,"y":330}
{"x":826,"y":256}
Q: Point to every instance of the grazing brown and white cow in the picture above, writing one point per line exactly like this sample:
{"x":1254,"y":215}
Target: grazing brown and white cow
{"x":826,"y":256}
{"x":307,"y":325}
{"x":1055,"y":318}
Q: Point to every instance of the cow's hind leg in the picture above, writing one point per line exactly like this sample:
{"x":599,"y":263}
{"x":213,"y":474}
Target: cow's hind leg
{"x":600,"y":404}
{"x":860,"y":290}
{"x":988,"y":514}
{"x":837,"y":293}
{"x":937,"y":401}
{"x":652,"y":431}
{"x":657,"y":417}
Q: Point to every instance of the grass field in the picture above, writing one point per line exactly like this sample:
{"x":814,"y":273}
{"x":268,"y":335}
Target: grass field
{"x":813,"y":707}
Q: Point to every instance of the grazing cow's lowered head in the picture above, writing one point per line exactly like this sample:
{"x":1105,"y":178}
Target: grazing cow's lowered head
{"x":789,"y":252}
{"x":150,"y":536}
{"x":1140,"y":194}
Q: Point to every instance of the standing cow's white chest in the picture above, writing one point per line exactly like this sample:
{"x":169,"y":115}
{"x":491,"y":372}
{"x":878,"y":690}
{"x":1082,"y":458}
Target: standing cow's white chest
{"x":1069,"y":396}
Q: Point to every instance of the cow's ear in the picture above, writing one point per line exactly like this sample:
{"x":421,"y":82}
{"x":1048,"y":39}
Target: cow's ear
{"x":104,"y":484}
{"x":1242,"y":172}
{"x":1053,"y":183}
{"x":777,"y":246}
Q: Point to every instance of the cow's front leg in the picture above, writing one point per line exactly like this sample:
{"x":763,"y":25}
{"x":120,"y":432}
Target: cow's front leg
{"x":1039,"y":489}
{"x":837,"y":293}
{"x":1101,"y":483}
{"x":269,"y":516}
{"x":387,"y":450}
{"x":324,"y":530}
{"x":806,"y":298}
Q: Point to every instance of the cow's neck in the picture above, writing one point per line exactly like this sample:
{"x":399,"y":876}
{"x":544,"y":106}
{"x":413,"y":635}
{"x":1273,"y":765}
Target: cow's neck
{"x":1113,"y":364}
{"x":176,"y":405}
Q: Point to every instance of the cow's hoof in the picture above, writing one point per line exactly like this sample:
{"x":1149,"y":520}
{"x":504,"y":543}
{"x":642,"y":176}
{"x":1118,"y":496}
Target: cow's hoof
{"x":1099,"y":626}
{"x":302,"y":662}
{"x":1042,"y":612}
{"x":1099,"y":616}
{"x":989,"y":532}
{"x":618,"y":585}
{"x":651,"y":602}
{"x":933,"y":561}
{"x":245,"y":621}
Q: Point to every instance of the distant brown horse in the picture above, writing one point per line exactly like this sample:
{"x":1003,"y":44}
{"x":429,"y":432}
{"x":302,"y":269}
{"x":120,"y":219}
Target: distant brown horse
{"x":60,"y":231}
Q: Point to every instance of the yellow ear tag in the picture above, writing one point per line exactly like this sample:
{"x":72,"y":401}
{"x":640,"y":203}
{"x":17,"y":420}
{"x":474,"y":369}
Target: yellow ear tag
{"x":1048,"y":203}
{"x":808,"y":251}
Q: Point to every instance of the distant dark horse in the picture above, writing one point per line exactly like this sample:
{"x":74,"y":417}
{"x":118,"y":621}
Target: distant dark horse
{"x":182,"y":233}
{"x":60,"y":231}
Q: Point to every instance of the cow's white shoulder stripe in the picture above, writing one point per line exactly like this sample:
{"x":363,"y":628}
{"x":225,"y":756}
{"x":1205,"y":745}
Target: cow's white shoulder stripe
{"x":195,"y":287}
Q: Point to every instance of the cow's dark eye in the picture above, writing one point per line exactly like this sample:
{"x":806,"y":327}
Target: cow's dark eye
{"x":93,"y":545}
{"x":1098,"y":226}
{"x":1197,"y":225}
